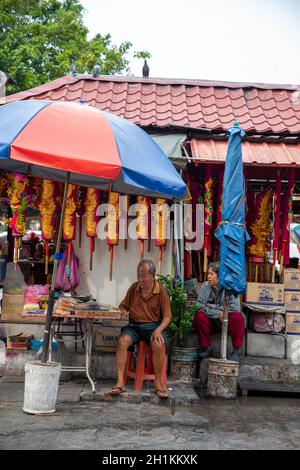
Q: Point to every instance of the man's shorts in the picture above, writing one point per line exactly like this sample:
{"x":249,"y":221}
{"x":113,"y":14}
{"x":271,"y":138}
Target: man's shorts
{"x":142,"y":331}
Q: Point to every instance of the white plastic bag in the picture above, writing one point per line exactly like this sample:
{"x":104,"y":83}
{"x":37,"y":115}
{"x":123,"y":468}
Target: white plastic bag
{"x":14,"y":280}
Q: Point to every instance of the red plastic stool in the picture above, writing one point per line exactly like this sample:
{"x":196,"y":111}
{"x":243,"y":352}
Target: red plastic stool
{"x":144,"y":366}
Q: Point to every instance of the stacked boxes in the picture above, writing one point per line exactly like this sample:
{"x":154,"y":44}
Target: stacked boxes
{"x":265,"y":294}
{"x":292,"y":300}
{"x":267,"y":299}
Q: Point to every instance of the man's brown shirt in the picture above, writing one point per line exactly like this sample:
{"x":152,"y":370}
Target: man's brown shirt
{"x":153,"y":308}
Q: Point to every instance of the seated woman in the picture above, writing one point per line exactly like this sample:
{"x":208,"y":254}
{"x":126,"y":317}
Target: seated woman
{"x":210,"y":315}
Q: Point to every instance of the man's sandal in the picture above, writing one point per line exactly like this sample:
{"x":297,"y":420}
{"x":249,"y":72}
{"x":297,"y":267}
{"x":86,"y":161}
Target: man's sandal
{"x":117,"y":391}
{"x":161,"y":393}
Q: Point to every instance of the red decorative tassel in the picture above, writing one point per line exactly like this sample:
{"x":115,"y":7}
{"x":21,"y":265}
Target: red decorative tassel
{"x":142,"y":249}
{"x":160,"y":255}
{"x":111,"y":259}
{"x":46,"y":256}
{"x":92,"y":249}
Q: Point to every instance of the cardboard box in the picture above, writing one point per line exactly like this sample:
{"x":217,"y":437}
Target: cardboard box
{"x":293,"y":322}
{"x":265,"y":294}
{"x":292,"y":300}
{"x":12,"y":308}
{"x":106,"y":338}
{"x":20,"y":341}
{"x":292,"y":279}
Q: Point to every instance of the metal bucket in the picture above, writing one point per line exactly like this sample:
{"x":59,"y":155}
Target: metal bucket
{"x":222,"y":378}
{"x":41,"y":386}
{"x":183,"y":362}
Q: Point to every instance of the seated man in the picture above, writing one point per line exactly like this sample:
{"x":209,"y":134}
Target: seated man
{"x":148,"y":306}
{"x":210,"y":315}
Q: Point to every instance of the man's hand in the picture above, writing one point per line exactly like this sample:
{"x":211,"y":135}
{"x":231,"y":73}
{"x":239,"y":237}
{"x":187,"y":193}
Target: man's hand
{"x":221,"y":315}
{"x":157,"y":337}
{"x":124,"y":313}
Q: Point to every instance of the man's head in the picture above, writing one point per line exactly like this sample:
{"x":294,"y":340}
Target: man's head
{"x":146,"y":274}
{"x":213,"y":274}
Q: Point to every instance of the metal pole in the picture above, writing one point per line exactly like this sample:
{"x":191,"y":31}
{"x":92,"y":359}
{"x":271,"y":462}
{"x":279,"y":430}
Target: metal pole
{"x":47,"y":331}
{"x":225,"y":328}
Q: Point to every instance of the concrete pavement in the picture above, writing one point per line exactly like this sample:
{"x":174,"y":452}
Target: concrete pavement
{"x":243,"y":423}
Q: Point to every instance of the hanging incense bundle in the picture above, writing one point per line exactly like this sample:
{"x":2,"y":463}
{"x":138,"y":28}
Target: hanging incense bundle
{"x":208,"y":214}
{"x":47,"y":210}
{"x":143,"y":222}
{"x":19,"y":199}
{"x":92,"y":202}
{"x":81,"y":195}
{"x":69,"y":224}
{"x":160,"y":220}
{"x":112,"y":227}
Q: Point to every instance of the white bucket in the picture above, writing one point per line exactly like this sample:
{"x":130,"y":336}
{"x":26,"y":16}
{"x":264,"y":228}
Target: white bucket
{"x":41,"y":386}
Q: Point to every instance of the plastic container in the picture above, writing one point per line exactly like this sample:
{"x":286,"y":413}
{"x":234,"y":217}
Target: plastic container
{"x":183,"y":363}
{"x":222,"y":378}
{"x":41,"y":387}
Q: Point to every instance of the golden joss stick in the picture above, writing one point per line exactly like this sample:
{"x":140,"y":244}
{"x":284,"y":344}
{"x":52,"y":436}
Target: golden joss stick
{"x":47,"y":209}
{"x":113,"y":217}
{"x":143,"y":222}
{"x":160,"y":219}
{"x":92,"y":202}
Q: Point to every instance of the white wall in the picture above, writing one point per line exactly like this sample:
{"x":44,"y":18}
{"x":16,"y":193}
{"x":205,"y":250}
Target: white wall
{"x":97,"y":283}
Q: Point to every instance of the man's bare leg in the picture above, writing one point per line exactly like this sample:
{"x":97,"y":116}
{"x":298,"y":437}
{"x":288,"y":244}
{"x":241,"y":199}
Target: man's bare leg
{"x":121,"y":358}
{"x":158,"y":352}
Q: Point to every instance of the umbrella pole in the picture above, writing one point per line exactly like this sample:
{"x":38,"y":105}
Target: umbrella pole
{"x":225,"y":327}
{"x":45,"y":351}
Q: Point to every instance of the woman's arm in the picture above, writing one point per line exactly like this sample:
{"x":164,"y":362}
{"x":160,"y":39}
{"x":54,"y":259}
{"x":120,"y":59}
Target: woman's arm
{"x":211,"y":310}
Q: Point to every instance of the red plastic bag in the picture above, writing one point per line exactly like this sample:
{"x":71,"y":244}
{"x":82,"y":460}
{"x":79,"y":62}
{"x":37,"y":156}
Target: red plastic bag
{"x":67,"y":277}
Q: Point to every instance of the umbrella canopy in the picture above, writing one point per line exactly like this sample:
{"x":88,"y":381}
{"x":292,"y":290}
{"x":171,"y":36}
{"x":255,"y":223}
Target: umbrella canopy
{"x":49,"y":139}
{"x":232,"y":232}
{"x":79,"y":144}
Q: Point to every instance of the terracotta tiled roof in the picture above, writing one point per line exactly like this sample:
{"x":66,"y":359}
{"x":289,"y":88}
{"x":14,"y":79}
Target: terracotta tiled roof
{"x":194,"y":104}
{"x":262,"y":153}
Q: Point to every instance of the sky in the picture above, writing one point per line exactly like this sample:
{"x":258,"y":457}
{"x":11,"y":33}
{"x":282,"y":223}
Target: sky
{"x":254,"y":41}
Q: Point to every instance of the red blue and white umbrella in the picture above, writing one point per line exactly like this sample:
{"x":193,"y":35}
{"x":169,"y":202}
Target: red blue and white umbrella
{"x":79,"y":144}
{"x":49,"y":139}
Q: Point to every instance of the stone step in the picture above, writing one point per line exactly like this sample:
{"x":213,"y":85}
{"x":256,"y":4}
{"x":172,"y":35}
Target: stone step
{"x":281,"y":371}
{"x":271,"y":387}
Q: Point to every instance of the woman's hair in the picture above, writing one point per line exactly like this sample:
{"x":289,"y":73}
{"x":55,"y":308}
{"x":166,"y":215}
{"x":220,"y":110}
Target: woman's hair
{"x":215,"y":266}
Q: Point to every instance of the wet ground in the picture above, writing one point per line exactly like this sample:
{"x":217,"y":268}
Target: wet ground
{"x":243,"y":423}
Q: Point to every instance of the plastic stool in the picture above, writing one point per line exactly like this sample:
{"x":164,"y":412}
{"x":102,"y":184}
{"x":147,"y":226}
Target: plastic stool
{"x":144,"y":366}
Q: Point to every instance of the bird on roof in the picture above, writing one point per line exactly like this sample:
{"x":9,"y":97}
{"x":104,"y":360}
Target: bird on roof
{"x":145,"y":69}
{"x":96,"y":70}
{"x":73,"y":69}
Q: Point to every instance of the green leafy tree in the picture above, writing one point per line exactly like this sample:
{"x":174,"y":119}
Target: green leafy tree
{"x":182,"y":312}
{"x":40,"y":39}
